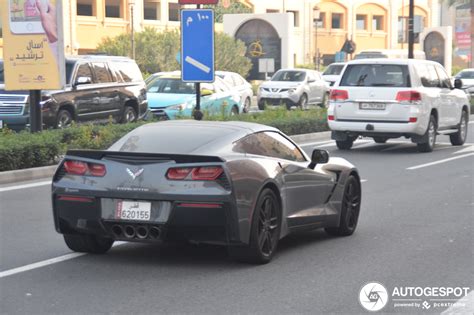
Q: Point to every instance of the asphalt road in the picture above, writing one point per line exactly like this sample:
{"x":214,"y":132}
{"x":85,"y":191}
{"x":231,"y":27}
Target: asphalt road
{"x":415,"y":229}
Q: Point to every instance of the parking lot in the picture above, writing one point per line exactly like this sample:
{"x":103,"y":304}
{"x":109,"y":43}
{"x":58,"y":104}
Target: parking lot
{"x":415,"y":230}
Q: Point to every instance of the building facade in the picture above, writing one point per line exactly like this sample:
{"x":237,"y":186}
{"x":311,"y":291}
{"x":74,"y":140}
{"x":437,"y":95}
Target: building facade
{"x":319,"y":25}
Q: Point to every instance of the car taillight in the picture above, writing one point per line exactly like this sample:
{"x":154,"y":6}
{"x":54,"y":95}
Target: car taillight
{"x":408,"y":96}
{"x":197,"y":173}
{"x":338,"y":95}
{"x":207,"y":173}
{"x":330,"y":117}
{"x":83,"y":168}
{"x":178,"y":173}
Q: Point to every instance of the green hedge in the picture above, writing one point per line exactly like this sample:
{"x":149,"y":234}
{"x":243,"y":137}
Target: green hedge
{"x":25,"y":150}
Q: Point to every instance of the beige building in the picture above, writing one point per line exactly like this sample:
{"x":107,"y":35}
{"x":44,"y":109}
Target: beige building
{"x":370,"y":23}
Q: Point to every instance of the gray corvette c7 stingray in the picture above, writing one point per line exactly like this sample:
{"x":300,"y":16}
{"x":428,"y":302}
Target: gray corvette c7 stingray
{"x":242,"y":185}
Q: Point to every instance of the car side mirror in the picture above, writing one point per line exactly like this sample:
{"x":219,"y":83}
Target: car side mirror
{"x":458,"y":84}
{"x":83,"y":80}
{"x":318,"y":157}
{"x":206,"y":92}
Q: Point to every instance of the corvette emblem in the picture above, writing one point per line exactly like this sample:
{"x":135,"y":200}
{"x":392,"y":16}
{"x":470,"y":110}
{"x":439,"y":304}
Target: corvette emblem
{"x":134,"y":175}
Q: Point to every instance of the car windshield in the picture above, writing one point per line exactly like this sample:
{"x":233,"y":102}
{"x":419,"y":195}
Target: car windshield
{"x":376,"y":75}
{"x":333,"y":70}
{"x":2,"y":76}
{"x":465,"y":75}
{"x":294,"y":76}
{"x":170,"y":86}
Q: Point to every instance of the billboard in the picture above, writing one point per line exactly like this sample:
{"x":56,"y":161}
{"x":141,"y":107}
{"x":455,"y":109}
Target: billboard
{"x":33,"y":46}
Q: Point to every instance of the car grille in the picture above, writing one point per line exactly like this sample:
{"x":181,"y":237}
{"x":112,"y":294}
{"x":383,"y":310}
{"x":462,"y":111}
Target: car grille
{"x":159,"y":113}
{"x":11,"y":109}
{"x":275,"y":90}
{"x":12,"y":104}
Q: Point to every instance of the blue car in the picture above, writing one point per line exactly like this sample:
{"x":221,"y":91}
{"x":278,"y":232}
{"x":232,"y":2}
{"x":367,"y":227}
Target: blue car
{"x":169,"y":98}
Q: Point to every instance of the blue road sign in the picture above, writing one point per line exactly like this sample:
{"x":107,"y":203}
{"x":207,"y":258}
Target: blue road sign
{"x":197,"y":45}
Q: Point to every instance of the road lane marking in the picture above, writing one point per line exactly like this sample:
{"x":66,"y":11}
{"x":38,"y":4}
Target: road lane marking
{"x":316,"y":143}
{"x":465,"y":149}
{"x":440,"y":161}
{"x":9,"y":188}
{"x":464,"y":305}
{"x":363,"y":180}
{"x":46,"y":262}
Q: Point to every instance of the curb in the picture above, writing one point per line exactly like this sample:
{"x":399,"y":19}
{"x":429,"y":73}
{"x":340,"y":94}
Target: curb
{"x":28,"y":174}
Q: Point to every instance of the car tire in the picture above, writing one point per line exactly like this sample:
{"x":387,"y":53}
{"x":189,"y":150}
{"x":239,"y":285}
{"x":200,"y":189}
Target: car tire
{"x":247,"y":105}
{"x":350,"y":209}
{"x":303,"y":102}
{"x":430,"y":135}
{"x":344,"y":144}
{"x":63,"y":119}
{"x":264,"y":231}
{"x":459,"y":137}
{"x":129,"y":115}
{"x":234,"y":111}
{"x":261,"y":105}
{"x":380,"y":139}
{"x":85,"y":243}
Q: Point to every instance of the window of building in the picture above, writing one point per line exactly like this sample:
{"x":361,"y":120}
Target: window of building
{"x":113,"y":9}
{"x":173,"y":11}
{"x":85,"y":7}
{"x":336,"y":21}
{"x":273,"y":11}
{"x":296,"y":18}
{"x":151,"y":10}
{"x":361,"y":21}
{"x":377,"y":23}
{"x":321,"y":22}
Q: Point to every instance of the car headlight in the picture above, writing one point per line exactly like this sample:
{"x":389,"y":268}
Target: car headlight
{"x":177,"y":107}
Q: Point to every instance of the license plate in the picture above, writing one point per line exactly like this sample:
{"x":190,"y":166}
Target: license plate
{"x":372,"y":106}
{"x":133,"y":210}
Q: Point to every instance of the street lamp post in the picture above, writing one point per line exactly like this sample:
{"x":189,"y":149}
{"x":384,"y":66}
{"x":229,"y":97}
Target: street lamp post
{"x":131,"y":3}
{"x":316,"y":17}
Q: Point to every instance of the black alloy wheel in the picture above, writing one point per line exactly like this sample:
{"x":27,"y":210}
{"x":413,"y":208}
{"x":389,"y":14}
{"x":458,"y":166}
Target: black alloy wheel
{"x":265,"y":231}
{"x":350,"y":209}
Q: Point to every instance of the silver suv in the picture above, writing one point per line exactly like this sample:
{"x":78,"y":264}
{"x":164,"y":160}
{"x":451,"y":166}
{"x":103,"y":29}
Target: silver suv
{"x":294,"y":87}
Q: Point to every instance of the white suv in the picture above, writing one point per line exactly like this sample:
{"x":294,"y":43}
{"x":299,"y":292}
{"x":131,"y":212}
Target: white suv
{"x":391,"y":98}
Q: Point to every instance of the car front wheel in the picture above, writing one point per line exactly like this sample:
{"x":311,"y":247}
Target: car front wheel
{"x":350,"y":209}
{"x":85,"y":243}
{"x":264,"y":233}
{"x":129,"y":115}
{"x":64,"y":119}
{"x":459,"y":137}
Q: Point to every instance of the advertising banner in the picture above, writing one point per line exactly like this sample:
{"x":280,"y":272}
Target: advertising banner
{"x":33,"y":46}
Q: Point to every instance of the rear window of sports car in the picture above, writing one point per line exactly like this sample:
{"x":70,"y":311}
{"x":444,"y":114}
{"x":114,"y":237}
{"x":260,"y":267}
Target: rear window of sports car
{"x":169,"y":139}
{"x":376,"y":75}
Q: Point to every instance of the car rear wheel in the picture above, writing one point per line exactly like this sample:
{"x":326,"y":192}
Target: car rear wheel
{"x":264,"y":233}
{"x":344,"y":144}
{"x":129,"y":115}
{"x":325,"y":102}
{"x":261,"y":105}
{"x":350,"y":209}
{"x":380,"y":139}
{"x":85,"y":243}
{"x":430,"y":137}
{"x":459,"y":137}
{"x":234,"y":111}
{"x":64,"y":119}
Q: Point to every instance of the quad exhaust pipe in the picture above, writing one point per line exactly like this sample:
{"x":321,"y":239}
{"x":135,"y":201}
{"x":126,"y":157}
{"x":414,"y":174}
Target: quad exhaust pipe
{"x":140,"y":232}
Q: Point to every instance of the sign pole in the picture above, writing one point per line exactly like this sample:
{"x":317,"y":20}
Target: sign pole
{"x":197,"y":111}
{"x":411,"y":34}
{"x":36,"y":119}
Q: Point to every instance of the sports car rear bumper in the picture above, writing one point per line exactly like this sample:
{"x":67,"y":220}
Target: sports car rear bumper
{"x":201,"y":221}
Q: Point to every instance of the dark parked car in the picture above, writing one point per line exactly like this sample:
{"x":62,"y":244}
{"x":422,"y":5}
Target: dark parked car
{"x":238,"y":184}
{"x":97,"y":88}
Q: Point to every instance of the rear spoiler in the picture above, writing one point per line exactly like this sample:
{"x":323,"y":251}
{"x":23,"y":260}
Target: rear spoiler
{"x":141,"y":158}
